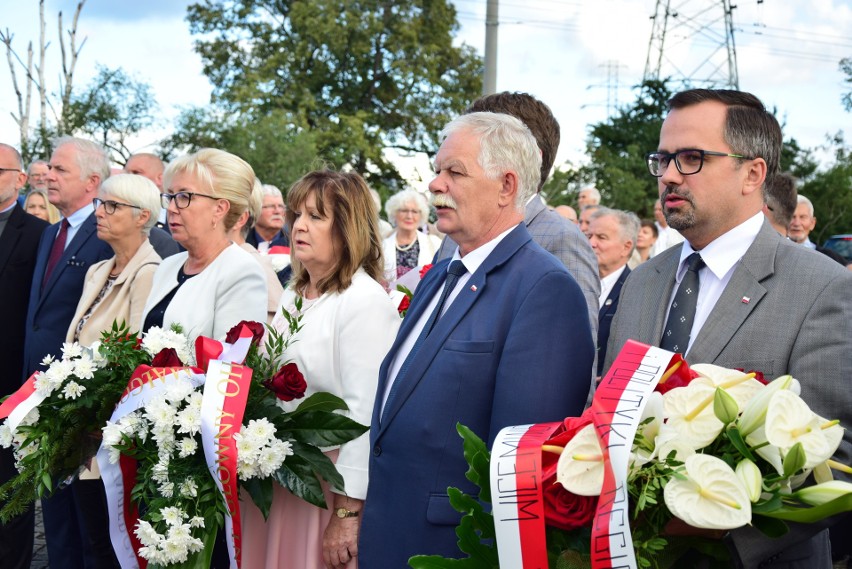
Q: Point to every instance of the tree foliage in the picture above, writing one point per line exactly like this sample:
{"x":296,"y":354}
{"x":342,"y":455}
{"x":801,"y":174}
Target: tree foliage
{"x":360,"y":75}
{"x":112,"y":108}
{"x":277,"y":149}
{"x":846,"y":68}
{"x":830,"y":190}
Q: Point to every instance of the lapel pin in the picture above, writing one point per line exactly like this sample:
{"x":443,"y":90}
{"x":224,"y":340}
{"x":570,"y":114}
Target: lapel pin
{"x":746,"y":300}
{"x":473,"y":288}
{"x":608,"y":302}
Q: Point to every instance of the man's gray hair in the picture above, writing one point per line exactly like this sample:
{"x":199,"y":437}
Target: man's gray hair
{"x":628,"y":222}
{"x":91,"y":157}
{"x":270,"y":190}
{"x":594,"y":191}
{"x":802,"y":199}
{"x":505,"y":143}
{"x":19,"y":162}
{"x":33,"y":163}
{"x":398,"y":200}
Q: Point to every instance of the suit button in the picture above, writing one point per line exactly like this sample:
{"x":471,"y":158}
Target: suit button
{"x":377,"y":450}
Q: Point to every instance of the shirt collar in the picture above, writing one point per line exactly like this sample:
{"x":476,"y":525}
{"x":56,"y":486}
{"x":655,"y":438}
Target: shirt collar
{"x":79,"y":216}
{"x":475,"y":258}
{"x":726,"y":250}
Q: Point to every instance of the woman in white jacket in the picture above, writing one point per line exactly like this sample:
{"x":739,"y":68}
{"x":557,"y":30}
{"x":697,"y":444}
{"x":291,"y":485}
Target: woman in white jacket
{"x":407,"y":247}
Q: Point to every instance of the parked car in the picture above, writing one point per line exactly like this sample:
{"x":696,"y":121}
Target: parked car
{"x":842,"y":245}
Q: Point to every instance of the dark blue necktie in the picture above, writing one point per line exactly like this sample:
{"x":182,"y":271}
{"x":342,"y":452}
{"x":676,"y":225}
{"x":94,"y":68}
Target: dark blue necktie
{"x":682,"y":314}
{"x":455,"y":271}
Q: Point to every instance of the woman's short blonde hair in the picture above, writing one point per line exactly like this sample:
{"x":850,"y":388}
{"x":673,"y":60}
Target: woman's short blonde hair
{"x":52,"y":212}
{"x":345,"y":197}
{"x":226,"y":176}
{"x":398,"y":201}
{"x":135,"y":190}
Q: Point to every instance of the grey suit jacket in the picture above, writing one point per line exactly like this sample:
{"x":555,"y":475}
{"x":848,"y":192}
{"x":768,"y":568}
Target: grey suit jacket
{"x":786,"y":309}
{"x":566,"y":242}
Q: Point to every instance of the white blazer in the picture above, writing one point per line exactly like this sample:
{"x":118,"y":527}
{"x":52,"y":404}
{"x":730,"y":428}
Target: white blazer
{"x":428,"y":246}
{"x":339,"y":349}
{"x":230,"y":289}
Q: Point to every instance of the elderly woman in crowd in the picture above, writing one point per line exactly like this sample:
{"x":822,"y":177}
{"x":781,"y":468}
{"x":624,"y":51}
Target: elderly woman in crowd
{"x":238,"y":234}
{"x":647,"y":237}
{"x":349,"y":323}
{"x":37,"y":204}
{"x":115,"y":290}
{"x":407,"y":247}
{"x":214,"y":284}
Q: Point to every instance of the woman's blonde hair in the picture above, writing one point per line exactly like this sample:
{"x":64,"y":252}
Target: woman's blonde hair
{"x":345,"y":197}
{"x":52,"y":212}
{"x":226,"y":175}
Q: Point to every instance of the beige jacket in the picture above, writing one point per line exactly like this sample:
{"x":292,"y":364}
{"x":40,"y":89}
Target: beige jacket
{"x":124,"y":301}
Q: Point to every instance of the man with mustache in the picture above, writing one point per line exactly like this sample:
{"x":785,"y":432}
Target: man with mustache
{"x":763,"y":303}
{"x":484,"y":343}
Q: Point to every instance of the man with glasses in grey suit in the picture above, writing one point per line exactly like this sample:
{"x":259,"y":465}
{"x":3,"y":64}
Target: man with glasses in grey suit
{"x":763,"y":303}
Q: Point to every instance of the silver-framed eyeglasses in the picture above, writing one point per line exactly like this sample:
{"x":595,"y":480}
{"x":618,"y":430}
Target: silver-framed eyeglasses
{"x":413,"y":212}
{"x":687,"y":161}
{"x":183,"y":199}
{"x":110,"y":205}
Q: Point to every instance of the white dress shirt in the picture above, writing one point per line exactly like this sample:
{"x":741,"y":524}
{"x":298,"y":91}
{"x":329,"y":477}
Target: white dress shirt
{"x":75,"y":220}
{"x":607,"y":283}
{"x":720,"y":258}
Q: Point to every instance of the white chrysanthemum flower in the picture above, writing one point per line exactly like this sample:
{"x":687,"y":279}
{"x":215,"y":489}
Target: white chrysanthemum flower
{"x":84,"y":368}
{"x":112,"y":433}
{"x":167,"y":489}
{"x":188,"y":488}
{"x":47,"y":360}
{"x":262,"y":429}
{"x":94,"y":352}
{"x":32,"y":417}
{"x":160,"y":472}
{"x":42,"y":384}
{"x":72,"y":390}
{"x":59,"y":371}
{"x":177,"y":391}
{"x":189,"y":420}
{"x":147,"y":535}
{"x":71,"y":350}
{"x":5,"y":436}
{"x":172,"y":515}
{"x":186,"y":447}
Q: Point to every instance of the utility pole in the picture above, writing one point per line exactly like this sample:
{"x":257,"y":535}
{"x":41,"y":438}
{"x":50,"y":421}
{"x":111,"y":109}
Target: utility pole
{"x":489,"y":80}
{"x":693,"y":44}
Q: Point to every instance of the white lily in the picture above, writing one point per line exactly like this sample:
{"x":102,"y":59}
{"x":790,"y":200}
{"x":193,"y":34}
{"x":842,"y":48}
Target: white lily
{"x":711,"y":496}
{"x":770,"y":453}
{"x":580,"y":468}
{"x":789,"y":420}
{"x":741,"y":386}
{"x":822,"y":493}
{"x":689,"y":410}
{"x":754,"y":412}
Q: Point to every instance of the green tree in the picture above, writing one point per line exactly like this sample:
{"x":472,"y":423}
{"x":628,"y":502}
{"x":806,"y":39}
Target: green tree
{"x":279,"y":152}
{"x":617,"y":148}
{"x":846,"y":68}
{"x":360,"y":75}
{"x":830,"y":190}
{"x":112,"y":108}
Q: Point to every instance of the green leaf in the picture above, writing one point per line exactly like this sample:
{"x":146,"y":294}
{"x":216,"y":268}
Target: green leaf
{"x":794,"y":460}
{"x":320,"y":463}
{"x":812,"y":514}
{"x":736,"y":438}
{"x":321,"y":401}
{"x":260,"y":491}
{"x":770,"y":527}
{"x":297,"y":476}
{"x":323,"y":429}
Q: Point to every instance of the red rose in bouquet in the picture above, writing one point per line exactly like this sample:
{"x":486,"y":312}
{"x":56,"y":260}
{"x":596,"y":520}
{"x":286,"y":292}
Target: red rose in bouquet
{"x":403,"y":305}
{"x":425,"y":270}
{"x":257,"y":332}
{"x":167,"y":358}
{"x":565,"y":510}
{"x":288,"y":383}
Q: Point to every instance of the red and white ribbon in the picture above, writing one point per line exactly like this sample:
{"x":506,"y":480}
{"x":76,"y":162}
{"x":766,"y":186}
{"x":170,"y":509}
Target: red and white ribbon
{"x":24,"y":400}
{"x":617,"y":409}
{"x":516,"y":495}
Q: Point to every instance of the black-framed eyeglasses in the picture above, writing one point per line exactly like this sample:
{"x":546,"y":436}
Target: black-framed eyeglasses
{"x":183,"y":199}
{"x":3,"y":170}
{"x":110,"y":205}
{"x":688,"y":161}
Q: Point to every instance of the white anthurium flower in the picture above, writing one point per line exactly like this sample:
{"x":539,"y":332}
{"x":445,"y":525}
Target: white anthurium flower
{"x":689,"y":410}
{"x":670,"y":440}
{"x":822,"y":473}
{"x":754,"y":412}
{"x":711,"y":496}
{"x":789,"y":420}
{"x":770,"y":453}
{"x":820,"y":494}
{"x":580,"y":468}
{"x":653,"y":410}
{"x":741,"y":386}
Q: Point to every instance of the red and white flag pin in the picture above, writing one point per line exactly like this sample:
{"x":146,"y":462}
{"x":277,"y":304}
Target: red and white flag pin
{"x":746,"y":300}
{"x":473,"y":288}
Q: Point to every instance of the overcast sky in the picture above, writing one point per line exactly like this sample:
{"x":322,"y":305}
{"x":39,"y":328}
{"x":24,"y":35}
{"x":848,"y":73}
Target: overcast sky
{"x":572,"y":54}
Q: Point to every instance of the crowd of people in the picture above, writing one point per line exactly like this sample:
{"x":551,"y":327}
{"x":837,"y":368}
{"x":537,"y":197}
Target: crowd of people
{"x":524,"y":308}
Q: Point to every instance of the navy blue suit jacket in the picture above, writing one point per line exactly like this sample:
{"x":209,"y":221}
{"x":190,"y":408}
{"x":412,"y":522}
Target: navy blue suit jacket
{"x":53,"y":306}
{"x":605,"y":316}
{"x":514,"y":347}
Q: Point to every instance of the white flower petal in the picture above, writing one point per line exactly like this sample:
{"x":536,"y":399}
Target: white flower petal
{"x":580,"y":468}
{"x":712,"y":497}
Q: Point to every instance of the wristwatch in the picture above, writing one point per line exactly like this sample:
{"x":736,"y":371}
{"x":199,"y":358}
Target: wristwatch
{"x":344,"y":513}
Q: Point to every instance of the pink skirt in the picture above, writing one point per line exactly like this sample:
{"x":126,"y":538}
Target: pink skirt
{"x":291,"y":538}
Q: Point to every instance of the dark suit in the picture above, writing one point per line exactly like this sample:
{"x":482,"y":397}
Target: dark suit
{"x":280,"y":239}
{"x":606,"y":314}
{"x":497,"y":357}
{"x":163,"y":243}
{"x":18,"y":247}
{"x":49,"y":315}
{"x":785,"y":310}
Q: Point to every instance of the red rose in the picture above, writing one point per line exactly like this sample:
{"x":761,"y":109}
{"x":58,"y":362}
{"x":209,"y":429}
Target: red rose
{"x":166,"y":358}
{"x":288,"y":383}
{"x":257,"y":332}
{"x":565,"y":510}
{"x":404,"y":304}
{"x":425,"y":270}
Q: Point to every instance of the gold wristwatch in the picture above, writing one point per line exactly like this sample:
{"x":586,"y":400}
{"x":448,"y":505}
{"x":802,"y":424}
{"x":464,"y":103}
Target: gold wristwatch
{"x":344,"y":513}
